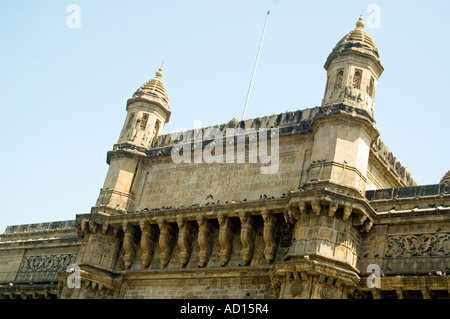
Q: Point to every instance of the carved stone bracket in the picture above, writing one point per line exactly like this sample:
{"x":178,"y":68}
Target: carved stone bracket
{"x":128,"y":245}
{"x":308,"y":279}
{"x":204,"y":241}
{"x":247,"y":237}
{"x":225,"y":238}
{"x":92,"y":286}
{"x":316,"y":207}
{"x":332,"y":209}
{"x":269,"y":235}
{"x":105,"y":227}
{"x":291,"y":214}
{"x":347,"y":212}
{"x":148,"y":243}
{"x":166,"y":239}
{"x":184,"y":240}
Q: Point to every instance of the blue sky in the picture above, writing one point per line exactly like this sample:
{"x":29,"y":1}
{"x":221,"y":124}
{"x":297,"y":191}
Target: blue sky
{"x":63,"y":91}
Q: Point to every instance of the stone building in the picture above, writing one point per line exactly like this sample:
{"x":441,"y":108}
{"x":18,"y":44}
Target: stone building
{"x":330,"y":213}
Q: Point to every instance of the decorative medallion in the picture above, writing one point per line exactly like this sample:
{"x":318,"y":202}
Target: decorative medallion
{"x":327,"y":292}
{"x":296,"y":288}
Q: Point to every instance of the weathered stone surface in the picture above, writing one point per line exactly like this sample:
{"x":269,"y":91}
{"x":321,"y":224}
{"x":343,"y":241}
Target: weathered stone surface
{"x":309,"y":204}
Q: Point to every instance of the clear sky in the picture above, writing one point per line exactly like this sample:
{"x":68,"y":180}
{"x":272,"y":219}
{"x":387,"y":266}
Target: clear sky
{"x":66,"y":77}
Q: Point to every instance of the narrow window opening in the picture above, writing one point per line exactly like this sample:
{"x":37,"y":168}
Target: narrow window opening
{"x":371,"y":87}
{"x":157,"y":126}
{"x":339,"y":78}
{"x":144,"y":121}
{"x":357,"y":79}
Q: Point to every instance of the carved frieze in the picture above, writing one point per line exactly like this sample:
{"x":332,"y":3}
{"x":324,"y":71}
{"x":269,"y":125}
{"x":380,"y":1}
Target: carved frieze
{"x":46,"y":263}
{"x":418,"y":245}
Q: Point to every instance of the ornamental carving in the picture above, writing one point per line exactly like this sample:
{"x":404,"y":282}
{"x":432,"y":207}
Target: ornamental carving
{"x":47,"y":263}
{"x":422,"y":245}
{"x":327,"y":292}
{"x":296,"y":288}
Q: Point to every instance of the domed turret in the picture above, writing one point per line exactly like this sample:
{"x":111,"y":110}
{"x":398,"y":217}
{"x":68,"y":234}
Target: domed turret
{"x":353,"y":68}
{"x":445,"y":179}
{"x":148,"y":112}
{"x":154,"y":91}
{"x":356,"y":41}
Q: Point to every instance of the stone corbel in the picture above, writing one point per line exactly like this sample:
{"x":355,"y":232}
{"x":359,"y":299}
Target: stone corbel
{"x":246,"y":237}
{"x":332,"y":209}
{"x":148,"y":243}
{"x":105,"y":226}
{"x":184,"y":240}
{"x":367,"y":226}
{"x":302,"y":209}
{"x":277,"y":281}
{"x":293,"y":213}
{"x":128,"y":244}
{"x":289,"y":214}
{"x":92,"y":226}
{"x":376,"y":293}
{"x":204,"y":241}
{"x":166,"y":238}
{"x":269,"y":235}
{"x":225,"y":239}
{"x":347,"y":212}
{"x":401,"y":294}
{"x":359,"y":220}
{"x":83,"y":226}
{"x":427,"y":293}
{"x":304,"y":275}
{"x":315,"y":205}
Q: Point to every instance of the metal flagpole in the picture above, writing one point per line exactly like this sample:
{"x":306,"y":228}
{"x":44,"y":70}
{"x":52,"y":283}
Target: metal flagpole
{"x":256,"y":63}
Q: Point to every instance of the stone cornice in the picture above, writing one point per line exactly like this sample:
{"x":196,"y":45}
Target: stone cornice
{"x":254,"y":207}
{"x":383,"y":157}
{"x":57,"y":233}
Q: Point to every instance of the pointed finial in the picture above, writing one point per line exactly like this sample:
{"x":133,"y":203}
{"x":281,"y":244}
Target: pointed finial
{"x":159,"y":74}
{"x":360,"y":23}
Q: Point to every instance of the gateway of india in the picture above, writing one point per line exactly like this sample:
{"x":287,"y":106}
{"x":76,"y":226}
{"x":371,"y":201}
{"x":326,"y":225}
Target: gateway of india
{"x":338,"y":218}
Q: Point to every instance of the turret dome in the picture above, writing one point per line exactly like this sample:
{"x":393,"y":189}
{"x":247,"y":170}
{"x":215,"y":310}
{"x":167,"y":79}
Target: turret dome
{"x":356,"y":41}
{"x":445,"y":179}
{"x":154,"y":91}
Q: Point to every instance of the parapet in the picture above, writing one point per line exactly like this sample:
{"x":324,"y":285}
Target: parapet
{"x":382,"y":152}
{"x":39,"y":231}
{"x":297,"y":122}
{"x":413,"y":192}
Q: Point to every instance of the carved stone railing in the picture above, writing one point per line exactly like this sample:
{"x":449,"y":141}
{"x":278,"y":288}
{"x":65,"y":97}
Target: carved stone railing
{"x":165,"y":231}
